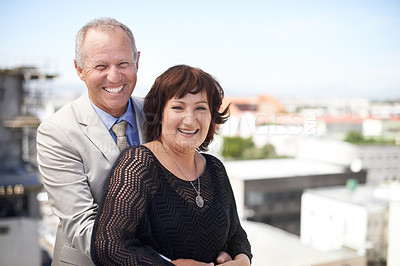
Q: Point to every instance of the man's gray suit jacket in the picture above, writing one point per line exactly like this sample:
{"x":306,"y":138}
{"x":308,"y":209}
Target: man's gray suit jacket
{"x":75,"y":155}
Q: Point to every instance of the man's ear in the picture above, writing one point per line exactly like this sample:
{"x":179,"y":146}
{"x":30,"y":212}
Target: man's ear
{"x":137,"y":61}
{"x":79,"y":70}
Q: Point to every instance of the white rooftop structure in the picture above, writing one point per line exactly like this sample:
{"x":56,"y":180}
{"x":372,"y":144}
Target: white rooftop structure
{"x":336,"y":217}
{"x":278,"y":168}
{"x":272,"y":246}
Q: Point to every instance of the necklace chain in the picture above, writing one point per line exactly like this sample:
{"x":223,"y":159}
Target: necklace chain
{"x":195,"y":169}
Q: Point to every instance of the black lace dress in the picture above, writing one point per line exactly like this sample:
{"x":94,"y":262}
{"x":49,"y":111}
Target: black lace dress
{"x":147,"y":211}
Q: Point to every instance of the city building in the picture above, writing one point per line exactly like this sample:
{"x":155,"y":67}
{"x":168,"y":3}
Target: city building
{"x":381,"y":162}
{"x":356,"y":218}
{"x":20,"y":91}
{"x":270,"y":190}
{"x":246,"y":113}
{"x":337,"y":127}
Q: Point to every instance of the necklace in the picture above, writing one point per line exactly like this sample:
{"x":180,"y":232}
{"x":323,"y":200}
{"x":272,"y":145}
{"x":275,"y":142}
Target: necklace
{"x":199,"y":199}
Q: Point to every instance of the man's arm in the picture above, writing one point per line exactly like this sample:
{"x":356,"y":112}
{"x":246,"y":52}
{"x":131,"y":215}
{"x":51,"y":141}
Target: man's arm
{"x":62,"y":171}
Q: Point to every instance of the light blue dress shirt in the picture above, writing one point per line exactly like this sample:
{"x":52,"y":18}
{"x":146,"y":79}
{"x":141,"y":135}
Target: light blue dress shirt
{"x":129,"y":116}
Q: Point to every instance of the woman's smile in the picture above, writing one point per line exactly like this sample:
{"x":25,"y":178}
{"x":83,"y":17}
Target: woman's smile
{"x":186,"y":120}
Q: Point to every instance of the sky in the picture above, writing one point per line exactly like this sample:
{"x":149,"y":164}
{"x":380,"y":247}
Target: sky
{"x":286,"y":48}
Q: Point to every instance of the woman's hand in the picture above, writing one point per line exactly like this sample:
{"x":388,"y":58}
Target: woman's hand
{"x":189,"y":262}
{"x":240,"y":260}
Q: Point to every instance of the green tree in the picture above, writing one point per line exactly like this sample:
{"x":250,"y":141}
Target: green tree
{"x":355,"y":137}
{"x":244,"y":149}
{"x":234,"y":146}
{"x":267,"y":151}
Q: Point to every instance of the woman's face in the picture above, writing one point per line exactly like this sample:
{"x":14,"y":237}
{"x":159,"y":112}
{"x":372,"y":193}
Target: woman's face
{"x":186,"y":121}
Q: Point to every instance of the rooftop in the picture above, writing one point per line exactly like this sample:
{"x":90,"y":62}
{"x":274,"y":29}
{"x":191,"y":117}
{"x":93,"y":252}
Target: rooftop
{"x":279,"y":168}
{"x":272,"y":246}
{"x":370,"y":196}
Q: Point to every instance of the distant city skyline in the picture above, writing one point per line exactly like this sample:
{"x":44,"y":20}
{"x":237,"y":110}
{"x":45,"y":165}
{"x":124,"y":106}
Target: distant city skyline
{"x":284,"y":48}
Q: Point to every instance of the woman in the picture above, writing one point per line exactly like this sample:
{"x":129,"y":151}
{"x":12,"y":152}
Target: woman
{"x":164,"y":199}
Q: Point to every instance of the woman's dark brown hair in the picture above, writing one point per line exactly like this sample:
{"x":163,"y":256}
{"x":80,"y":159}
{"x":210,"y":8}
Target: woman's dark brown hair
{"x":176,"y":82}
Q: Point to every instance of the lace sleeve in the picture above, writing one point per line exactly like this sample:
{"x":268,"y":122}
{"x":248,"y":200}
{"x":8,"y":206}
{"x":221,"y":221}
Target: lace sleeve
{"x":129,"y":189}
{"x":237,"y":238}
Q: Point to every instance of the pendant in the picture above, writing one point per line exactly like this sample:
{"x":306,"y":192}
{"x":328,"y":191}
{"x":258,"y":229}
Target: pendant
{"x":199,"y":201}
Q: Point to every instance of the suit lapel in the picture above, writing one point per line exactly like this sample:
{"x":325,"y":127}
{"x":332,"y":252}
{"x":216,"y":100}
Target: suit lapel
{"x":94,"y":129}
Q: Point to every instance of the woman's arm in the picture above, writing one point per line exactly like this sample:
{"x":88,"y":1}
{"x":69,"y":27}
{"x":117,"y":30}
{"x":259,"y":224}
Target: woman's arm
{"x":123,"y":212}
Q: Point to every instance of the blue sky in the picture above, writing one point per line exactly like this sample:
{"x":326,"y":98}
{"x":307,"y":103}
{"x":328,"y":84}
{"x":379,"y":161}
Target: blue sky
{"x":316,"y":48}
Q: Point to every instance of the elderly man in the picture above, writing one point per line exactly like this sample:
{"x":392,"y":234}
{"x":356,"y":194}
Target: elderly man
{"x":77,"y":146}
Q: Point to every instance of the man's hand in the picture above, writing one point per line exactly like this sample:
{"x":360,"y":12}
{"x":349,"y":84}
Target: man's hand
{"x":223,"y":257}
{"x":239,"y":260}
